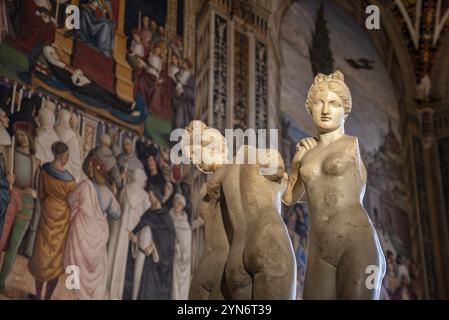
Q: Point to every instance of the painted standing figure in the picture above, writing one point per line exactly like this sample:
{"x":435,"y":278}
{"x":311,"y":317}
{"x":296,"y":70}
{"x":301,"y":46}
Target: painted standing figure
{"x":182,"y":261}
{"x":128,"y":161}
{"x":24,"y":197}
{"x":135,"y":202}
{"x":150,"y":261}
{"x":6,"y":179}
{"x":90,"y":204}
{"x":55,"y":184}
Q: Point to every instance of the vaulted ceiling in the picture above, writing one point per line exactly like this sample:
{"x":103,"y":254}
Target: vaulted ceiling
{"x":413,"y":39}
{"x":423,"y":24}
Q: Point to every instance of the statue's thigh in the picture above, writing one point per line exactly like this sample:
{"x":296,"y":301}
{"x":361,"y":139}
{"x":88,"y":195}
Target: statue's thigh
{"x":319,"y":280}
{"x":238,"y":281}
{"x":206,"y":282}
{"x":271,"y":262}
{"x":359,"y":273}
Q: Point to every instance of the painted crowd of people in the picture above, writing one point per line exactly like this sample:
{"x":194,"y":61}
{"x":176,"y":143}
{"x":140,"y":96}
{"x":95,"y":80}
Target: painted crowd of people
{"x":161,"y":74}
{"x":118,"y":216}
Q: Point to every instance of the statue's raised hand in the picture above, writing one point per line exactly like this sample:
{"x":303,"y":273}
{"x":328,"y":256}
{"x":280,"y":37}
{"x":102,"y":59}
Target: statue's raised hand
{"x":303,"y":146}
{"x":307,"y":143}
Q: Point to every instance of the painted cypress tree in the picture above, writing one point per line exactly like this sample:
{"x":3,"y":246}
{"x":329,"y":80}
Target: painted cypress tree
{"x":320,"y":51}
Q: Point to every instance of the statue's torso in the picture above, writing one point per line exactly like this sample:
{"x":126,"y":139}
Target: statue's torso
{"x":334,"y":178}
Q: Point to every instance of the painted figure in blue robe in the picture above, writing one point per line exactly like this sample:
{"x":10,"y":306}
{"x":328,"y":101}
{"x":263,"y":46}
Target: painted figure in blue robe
{"x":5,"y":180}
{"x":96,"y":25}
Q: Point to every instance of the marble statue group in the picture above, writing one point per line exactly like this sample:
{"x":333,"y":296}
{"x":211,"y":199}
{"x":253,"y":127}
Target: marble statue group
{"x":248,"y":253}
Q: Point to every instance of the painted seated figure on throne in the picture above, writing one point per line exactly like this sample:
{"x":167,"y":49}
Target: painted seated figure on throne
{"x":97,"y":25}
{"x":79,"y":64}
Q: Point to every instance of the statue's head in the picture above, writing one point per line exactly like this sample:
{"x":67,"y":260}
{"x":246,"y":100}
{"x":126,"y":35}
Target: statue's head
{"x":329,"y":101}
{"x":204,"y":146}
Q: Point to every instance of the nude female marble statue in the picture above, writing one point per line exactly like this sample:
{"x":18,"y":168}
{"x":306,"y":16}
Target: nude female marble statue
{"x":248,"y":254}
{"x":345,"y":259}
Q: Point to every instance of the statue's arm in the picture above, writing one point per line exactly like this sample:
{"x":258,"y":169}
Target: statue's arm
{"x":354,"y":151}
{"x":295,"y":187}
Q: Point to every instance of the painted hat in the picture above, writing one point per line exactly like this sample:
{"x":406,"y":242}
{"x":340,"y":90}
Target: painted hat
{"x":24,"y":126}
{"x":99,"y":165}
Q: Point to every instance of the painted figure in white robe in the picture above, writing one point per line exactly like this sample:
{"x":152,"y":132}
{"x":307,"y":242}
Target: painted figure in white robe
{"x":46,"y":135}
{"x":90,"y":203}
{"x":68,"y":136}
{"x":135,"y":202}
{"x":75,"y":125}
{"x":136,"y":53}
{"x":183,"y":245}
{"x":128,"y":161}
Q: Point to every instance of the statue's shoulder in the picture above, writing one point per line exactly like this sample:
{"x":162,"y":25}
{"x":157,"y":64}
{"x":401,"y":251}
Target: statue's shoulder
{"x":351,"y":147}
{"x":350,"y":142}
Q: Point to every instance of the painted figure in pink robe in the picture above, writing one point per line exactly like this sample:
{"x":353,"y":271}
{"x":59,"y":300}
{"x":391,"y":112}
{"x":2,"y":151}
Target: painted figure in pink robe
{"x":150,"y":82}
{"x":90,"y":203}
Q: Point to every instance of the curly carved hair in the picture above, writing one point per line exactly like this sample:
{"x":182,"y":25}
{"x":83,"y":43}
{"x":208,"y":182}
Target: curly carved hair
{"x":334,"y":82}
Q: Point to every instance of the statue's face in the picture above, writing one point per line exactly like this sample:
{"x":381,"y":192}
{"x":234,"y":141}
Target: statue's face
{"x":212,"y":149}
{"x":328,"y":111}
{"x":204,"y":146}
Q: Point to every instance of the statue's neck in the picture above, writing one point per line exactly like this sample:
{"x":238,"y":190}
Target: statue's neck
{"x":329,"y":137}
